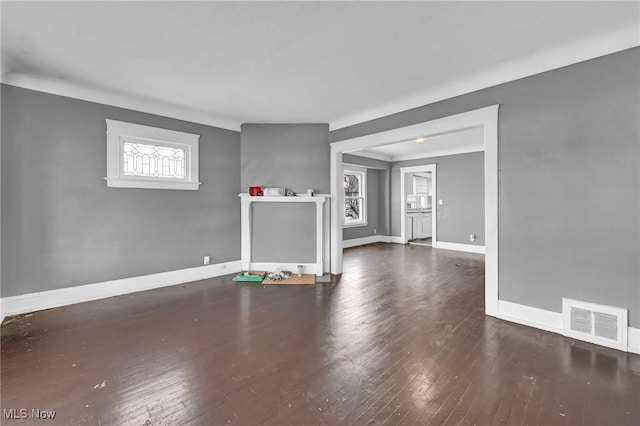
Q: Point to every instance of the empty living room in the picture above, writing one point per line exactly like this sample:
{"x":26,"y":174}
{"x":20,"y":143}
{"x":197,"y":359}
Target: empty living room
{"x":320,"y":213}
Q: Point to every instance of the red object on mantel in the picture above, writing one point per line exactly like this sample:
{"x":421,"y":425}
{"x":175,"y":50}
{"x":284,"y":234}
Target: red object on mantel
{"x":256,"y":191}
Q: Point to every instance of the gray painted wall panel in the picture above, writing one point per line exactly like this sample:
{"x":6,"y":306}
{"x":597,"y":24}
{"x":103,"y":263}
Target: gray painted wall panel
{"x":461,"y":187}
{"x":364,"y":161}
{"x":378,"y":193}
{"x":384,"y":203}
{"x":280,"y":235}
{"x":63,"y":227}
{"x":295,"y":156}
{"x":569,"y":187}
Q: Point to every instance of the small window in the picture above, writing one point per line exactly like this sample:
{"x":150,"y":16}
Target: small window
{"x":420,"y":199}
{"x":149,"y":157}
{"x":355,"y":199}
{"x":153,"y":160}
{"x":420,"y":185}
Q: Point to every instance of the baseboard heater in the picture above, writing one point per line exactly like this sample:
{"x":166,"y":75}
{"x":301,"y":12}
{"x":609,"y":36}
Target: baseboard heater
{"x":599,"y":324}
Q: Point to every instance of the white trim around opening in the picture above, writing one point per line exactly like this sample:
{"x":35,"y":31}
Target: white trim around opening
{"x":403,"y":205}
{"x":487,"y":119}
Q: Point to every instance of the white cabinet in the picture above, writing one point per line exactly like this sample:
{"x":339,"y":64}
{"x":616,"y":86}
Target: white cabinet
{"x":409,"y":227}
{"x":425,"y":225}
{"x":418,"y":225}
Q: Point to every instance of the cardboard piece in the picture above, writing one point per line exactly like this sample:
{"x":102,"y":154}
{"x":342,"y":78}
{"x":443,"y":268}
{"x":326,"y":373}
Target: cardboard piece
{"x":305,"y":279}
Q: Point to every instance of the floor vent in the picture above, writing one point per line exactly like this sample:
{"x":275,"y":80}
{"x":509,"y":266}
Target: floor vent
{"x":600,"y":324}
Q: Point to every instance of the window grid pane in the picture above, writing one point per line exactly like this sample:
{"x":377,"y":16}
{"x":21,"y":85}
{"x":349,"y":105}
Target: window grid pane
{"x":352,"y":184}
{"x":353,"y":210}
{"x":420,"y":184}
{"x":154,"y":161}
{"x":354,"y":197}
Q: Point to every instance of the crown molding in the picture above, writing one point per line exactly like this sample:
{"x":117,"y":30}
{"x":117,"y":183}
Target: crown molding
{"x":516,"y":69}
{"x":120,"y":100}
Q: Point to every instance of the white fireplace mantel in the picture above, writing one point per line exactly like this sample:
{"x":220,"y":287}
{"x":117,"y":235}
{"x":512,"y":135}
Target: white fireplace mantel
{"x":321,"y":231}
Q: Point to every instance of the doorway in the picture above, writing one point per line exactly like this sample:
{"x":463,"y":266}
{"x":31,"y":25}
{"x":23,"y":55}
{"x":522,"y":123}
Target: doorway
{"x":485,"y":118}
{"x":418,"y":209}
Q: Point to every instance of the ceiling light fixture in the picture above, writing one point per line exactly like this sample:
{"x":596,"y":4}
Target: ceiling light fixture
{"x":421,"y":140}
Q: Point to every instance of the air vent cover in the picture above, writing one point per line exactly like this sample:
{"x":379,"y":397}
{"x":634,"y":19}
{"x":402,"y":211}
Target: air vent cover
{"x":581,"y":320}
{"x":601,"y":324}
{"x":605,"y":326}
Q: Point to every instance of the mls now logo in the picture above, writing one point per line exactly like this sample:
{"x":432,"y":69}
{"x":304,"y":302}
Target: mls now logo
{"x":14,"y":413}
{"x":36,"y":413}
{"x":23,"y":413}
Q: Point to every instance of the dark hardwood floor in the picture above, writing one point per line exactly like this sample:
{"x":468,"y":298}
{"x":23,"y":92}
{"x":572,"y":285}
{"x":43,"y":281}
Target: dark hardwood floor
{"x":401,"y":338}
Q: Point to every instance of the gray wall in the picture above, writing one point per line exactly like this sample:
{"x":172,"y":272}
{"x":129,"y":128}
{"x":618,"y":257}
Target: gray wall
{"x":569,"y":187}
{"x":366,"y":162}
{"x":460,"y":185}
{"x":294,"y":156}
{"x":63,"y":227}
{"x":408,"y":183}
{"x":377,"y":198}
{"x":284,"y":232}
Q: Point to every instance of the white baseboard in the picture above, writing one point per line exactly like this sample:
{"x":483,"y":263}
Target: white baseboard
{"x":446,"y":246}
{"x":372,"y":239}
{"x":633,"y":340}
{"x":31,"y":302}
{"x":528,"y":315}
{"x":469,"y":248}
{"x":552,"y":321}
{"x":366,"y":240}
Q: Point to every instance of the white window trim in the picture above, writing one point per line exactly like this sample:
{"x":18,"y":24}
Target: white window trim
{"x":118,"y":131}
{"x":363,"y":192}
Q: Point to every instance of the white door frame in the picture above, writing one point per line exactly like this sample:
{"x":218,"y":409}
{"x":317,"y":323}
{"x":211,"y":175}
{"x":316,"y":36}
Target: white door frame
{"x":487,"y":119}
{"x":403,"y":205}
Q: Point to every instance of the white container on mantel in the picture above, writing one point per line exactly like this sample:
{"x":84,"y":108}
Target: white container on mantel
{"x":274,"y":192}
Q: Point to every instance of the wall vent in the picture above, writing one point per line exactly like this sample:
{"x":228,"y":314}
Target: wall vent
{"x":600,"y":324}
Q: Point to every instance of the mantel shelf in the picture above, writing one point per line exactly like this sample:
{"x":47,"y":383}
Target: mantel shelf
{"x":317,"y":198}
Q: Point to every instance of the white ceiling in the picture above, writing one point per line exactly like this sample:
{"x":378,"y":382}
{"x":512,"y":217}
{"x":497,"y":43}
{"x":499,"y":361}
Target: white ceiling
{"x":227,"y":63}
{"x":469,"y":140}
